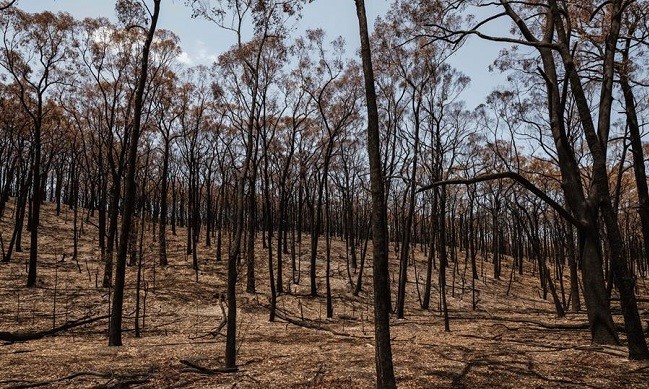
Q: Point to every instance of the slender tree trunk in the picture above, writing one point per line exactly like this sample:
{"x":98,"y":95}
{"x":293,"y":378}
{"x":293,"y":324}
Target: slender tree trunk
{"x":174,"y":212}
{"x":625,"y":283}
{"x":430,"y":258}
{"x":58,"y":189}
{"x":250,"y":251}
{"x":268,"y":221}
{"x":112,"y":231}
{"x":196,"y":216}
{"x":19,"y":211}
{"x":164,"y":188}
{"x":575,"y":302}
{"x":638,"y":156}
{"x":103,"y":188}
{"x":330,"y":308}
{"x":359,"y":278}
{"x":115,"y":330}
{"x":36,"y":205}
{"x":407,"y":228}
{"x":317,"y":226}
{"x":382,"y":348}
{"x":443,"y":258}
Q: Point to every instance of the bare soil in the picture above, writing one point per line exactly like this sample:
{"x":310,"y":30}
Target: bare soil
{"x":512,"y":340}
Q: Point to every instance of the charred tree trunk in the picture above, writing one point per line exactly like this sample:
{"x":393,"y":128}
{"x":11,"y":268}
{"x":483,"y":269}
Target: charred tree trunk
{"x":164,"y":209}
{"x":19,"y":212}
{"x":637,"y":152}
{"x":382,"y":348}
{"x":115,"y":329}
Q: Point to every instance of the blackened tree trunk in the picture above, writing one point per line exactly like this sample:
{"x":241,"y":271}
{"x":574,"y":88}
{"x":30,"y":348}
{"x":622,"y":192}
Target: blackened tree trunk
{"x":115,"y":330}
{"x":268,"y":226}
{"x":251,"y":286}
{"x":575,"y":301}
{"x":597,"y":138}
{"x":174,"y":208}
{"x":36,"y":198}
{"x":430,"y":258}
{"x":194,"y":193}
{"x":103,"y":195}
{"x":382,"y":348}
{"x":443,"y":257}
{"x":58,"y":187}
{"x":407,"y":228}
{"x":636,"y":151}
{"x":359,"y":278}
{"x":164,"y":209}
{"x":19,"y":211}
{"x":330,"y":308}
{"x":599,"y":315}
{"x":112,"y":229}
{"x":284,"y":201}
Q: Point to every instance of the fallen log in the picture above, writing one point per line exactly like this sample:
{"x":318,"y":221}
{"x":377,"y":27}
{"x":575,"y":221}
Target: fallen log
{"x":12,"y":337}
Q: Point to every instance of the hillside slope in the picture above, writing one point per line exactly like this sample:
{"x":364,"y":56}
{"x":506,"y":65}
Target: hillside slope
{"x":512,"y":339}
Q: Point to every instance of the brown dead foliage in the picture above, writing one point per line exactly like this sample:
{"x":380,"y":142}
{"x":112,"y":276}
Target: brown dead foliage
{"x":510,"y":341}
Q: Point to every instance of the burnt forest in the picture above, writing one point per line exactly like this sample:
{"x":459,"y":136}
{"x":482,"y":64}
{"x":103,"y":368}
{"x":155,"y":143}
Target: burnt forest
{"x":362,"y":205}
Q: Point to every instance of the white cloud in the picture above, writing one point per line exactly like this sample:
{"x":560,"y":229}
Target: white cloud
{"x":185,"y":59}
{"x":204,"y":55}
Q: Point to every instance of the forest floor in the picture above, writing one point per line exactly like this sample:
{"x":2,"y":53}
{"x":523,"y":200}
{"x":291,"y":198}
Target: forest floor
{"x":511,"y":340}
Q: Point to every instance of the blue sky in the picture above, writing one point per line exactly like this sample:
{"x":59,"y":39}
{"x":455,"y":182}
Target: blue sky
{"x":202,"y":41}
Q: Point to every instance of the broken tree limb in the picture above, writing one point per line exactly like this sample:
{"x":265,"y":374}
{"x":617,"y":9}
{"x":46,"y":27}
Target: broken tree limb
{"x":33,"y":335}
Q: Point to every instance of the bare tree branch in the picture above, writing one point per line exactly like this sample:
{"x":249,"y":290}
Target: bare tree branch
{"x":513,"y":176}
{"x":4,"y":5}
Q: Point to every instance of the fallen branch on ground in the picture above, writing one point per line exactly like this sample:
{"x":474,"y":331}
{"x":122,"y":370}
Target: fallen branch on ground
{"x":307,"y":323}
{"x":12,"y":337}
{"x":122,"y":381}
{"x":551,"y":326}
{"x":208,"y":371}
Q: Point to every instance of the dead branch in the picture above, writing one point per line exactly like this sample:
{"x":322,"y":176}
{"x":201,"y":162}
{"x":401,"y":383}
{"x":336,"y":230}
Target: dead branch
{"x":307,"y":324}
{"x":545,"y":325}
{"x":217,"y":331}
{"x":527,"y":184}
{"x":6,"y":4}
{"x":313,"y":325}
{"x":224,"y":321}
{"x":12,"y":337}
{"x":208,"y":371}
{"x":68,"y":377}
{"x":317,"y":377}
{"x":125,"y":383}
{"x":555,"y":326}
